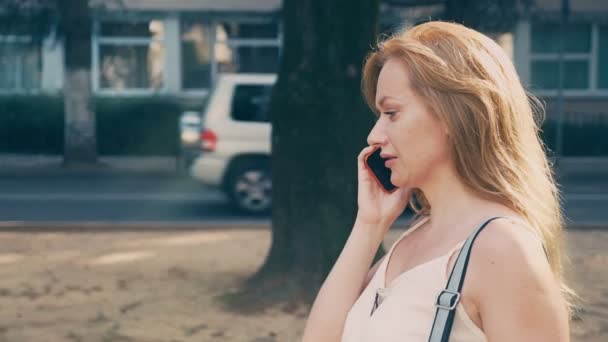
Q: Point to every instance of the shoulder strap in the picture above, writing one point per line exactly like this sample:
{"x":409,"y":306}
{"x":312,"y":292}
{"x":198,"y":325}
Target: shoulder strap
{"x":449,"y":297}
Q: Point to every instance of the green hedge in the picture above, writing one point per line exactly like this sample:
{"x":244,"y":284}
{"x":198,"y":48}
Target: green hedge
{"x":125,"y":126}
{"x":31,"y":124}
{"x":140,"y":126}
{"x":148,"y":126}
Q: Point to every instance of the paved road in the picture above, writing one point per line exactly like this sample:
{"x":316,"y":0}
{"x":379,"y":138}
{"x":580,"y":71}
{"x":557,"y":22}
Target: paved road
{"x":103,"y":197}
{"x":163,"y":198}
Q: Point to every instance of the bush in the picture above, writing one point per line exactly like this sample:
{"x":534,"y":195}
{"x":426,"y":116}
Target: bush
{"x":137,"y":126}
{"x":31,"y":124}
{"x":125,"y":126}
{"x":148,"y":126}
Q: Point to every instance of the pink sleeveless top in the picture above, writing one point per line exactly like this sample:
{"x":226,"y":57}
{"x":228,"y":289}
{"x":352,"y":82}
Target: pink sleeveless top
{"x":407,"y":305}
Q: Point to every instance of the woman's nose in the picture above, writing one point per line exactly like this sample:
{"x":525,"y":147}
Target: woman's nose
{"x":377,"y":135}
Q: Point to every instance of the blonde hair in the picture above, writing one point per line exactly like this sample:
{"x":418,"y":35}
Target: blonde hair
{"x":472,"y":86}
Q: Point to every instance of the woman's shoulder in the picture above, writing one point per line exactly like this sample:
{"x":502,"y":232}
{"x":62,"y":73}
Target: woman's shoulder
{"x":511,"y":284}
{"x":508,"y":257}
{"x":507,"y":239}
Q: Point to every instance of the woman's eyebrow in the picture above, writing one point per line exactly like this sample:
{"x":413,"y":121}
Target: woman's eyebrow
{"x":384,"y":99}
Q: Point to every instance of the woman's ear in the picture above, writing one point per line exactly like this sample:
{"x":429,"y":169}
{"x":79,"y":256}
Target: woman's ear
{"x":446,"y":131}
{"x":444,"y":126}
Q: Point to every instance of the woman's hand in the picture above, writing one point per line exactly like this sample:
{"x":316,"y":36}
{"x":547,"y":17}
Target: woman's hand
{"x":377,"y":207}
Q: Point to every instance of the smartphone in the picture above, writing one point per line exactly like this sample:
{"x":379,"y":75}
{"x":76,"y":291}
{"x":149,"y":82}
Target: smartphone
{"x":375,"y":164}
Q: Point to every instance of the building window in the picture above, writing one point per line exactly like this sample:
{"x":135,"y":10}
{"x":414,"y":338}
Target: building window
{"x":20,"y":64}
{"x":130,"y":55}
{"x":196,"y":54}
{"x":578,"y":56}
{"x":247,"y":46}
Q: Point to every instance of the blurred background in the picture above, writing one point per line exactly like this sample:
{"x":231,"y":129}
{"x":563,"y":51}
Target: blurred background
{"x":135,"y":156}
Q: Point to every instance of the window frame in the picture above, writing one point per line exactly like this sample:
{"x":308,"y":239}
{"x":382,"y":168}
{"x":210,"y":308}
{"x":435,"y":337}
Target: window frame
{"x":592,"y":57}
{"x":213,"y":23}
{"x":97,"y":41}
{"x":244,"y":42}
{"x":198,"y":91}
{"x":21,"y":39}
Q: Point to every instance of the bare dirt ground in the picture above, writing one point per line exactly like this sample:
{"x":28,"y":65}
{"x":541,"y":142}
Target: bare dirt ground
{"x":164,"y":286}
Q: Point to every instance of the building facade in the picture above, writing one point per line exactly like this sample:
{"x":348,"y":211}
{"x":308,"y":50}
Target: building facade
{"x":152,"y":47}
{"x":156,"y":47}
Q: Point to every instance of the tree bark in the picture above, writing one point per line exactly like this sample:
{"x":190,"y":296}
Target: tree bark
{"x":495,"y":16}
{"x":79,"y":138}
{"x":320,"y":124}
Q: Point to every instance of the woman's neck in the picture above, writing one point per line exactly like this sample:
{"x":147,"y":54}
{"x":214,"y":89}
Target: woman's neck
{"x":456,"y":206}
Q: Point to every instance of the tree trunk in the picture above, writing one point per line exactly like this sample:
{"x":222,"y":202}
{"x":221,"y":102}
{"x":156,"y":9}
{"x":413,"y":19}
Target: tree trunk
{"x":79,"y":139}
{"x":320,"y":124}
{"x":494,"y":16}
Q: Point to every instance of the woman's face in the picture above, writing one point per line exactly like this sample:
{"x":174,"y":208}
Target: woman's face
{"x":407,"y":129}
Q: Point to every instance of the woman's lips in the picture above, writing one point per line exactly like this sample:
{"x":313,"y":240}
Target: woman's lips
{"x":389,"y":162}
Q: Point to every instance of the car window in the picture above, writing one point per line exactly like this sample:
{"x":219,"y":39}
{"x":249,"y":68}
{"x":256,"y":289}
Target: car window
{"x":250,"y":103}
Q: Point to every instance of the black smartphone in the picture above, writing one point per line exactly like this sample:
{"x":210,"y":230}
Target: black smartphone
{"x":375,"y":164}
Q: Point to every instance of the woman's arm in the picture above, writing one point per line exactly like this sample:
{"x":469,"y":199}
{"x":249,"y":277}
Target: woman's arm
{"x":514,"y":289}
{"x":371,"y":273}
{"x":343,"y":285}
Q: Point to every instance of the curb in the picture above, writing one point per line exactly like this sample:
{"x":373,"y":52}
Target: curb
{"x":53,"y":164}
{"x":135,"y":226}
{"x":578,"y":167}
{"x":152,"y":226}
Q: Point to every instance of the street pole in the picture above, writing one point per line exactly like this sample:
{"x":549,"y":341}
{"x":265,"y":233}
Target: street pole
{"x":565,"y":9}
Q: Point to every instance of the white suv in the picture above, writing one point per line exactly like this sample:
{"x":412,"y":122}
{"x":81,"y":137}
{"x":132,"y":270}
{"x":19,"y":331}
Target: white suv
{"x":235,"y":141}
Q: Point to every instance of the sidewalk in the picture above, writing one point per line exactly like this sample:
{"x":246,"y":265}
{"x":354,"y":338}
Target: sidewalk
{"x":174,"y":285}
{"x":569,"y":167}
{"x":582,"y":167}
{"x":22,"y":163}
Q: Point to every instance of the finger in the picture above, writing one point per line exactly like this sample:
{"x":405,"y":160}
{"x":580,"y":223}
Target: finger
{"x":364,"y":173}
{"x":365,"y":152}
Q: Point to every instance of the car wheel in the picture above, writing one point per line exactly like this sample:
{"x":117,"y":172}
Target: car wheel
{"x":250,"y":188}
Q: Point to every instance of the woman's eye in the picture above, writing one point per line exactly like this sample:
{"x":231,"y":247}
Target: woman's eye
{"x":389,"y":113}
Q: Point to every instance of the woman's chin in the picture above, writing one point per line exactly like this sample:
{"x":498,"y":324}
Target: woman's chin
{"x":399,"y":181}
{"x":396,"y":181}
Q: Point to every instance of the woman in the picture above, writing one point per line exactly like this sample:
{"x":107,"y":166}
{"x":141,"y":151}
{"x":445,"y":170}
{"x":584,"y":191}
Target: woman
{"x":461,"y":137}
